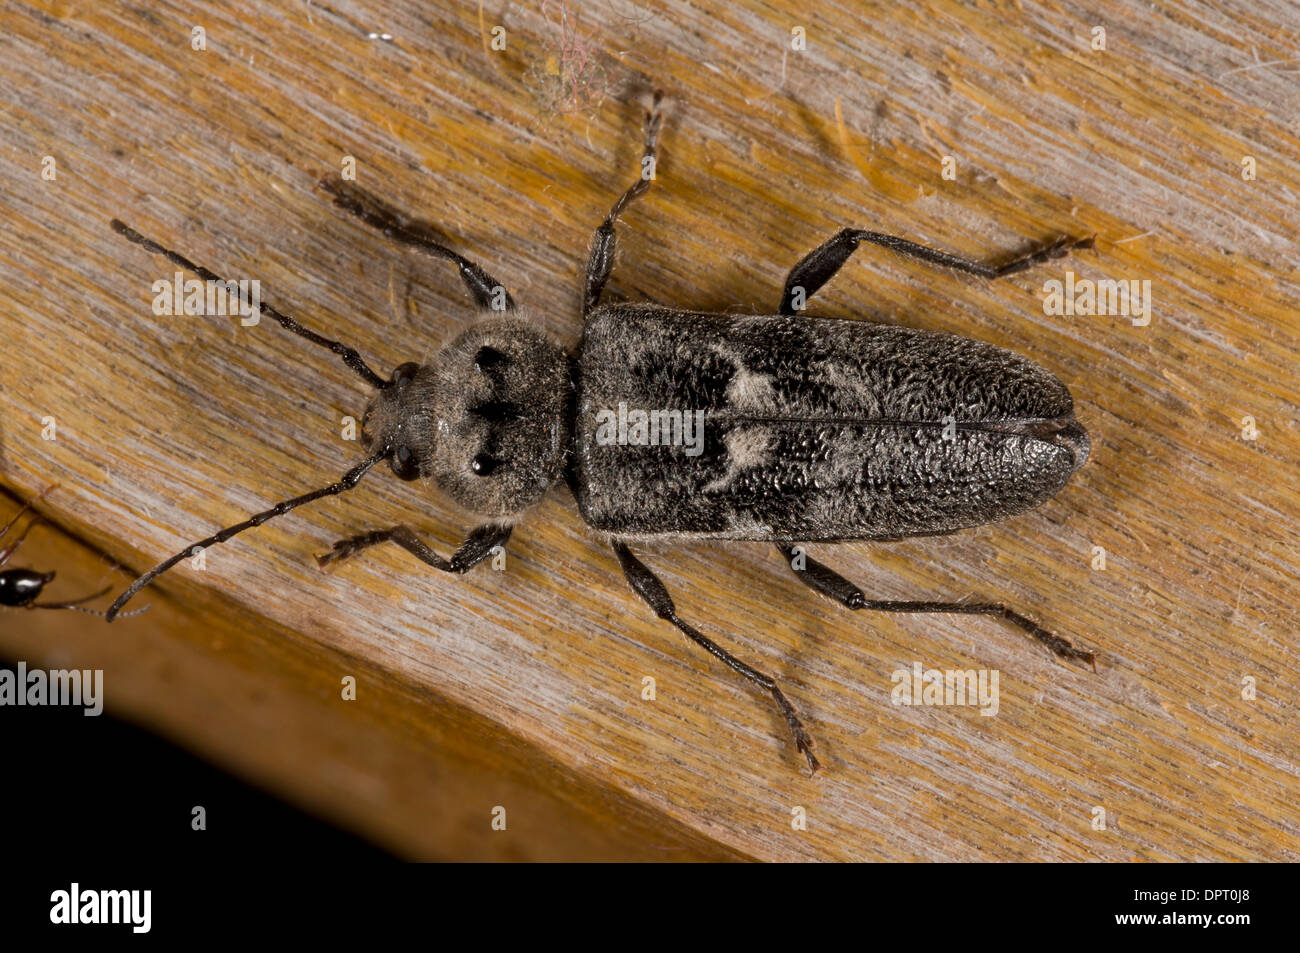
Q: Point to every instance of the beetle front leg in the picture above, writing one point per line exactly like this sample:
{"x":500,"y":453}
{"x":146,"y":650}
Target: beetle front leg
{"x":477,"y":547}
{"x":831,"y":584}
{"x":487,"y":292}
{"x":605,"y":242}
{"x":648,"y":586}
{"x":823,"y":262}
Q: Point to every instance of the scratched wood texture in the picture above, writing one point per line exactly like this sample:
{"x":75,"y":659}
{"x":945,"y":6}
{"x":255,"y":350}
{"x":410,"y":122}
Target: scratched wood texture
{"x":523,"y":688}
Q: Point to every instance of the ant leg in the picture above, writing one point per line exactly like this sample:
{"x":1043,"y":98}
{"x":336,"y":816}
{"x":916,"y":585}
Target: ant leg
{"x":831,"y":584}
{"x":648,"y":586}
{"x":823,"y":262}
{"x":9,"y":550}
{"x":604,"y":243}
{"x":488,"y":293}
{"x":476,"y":548}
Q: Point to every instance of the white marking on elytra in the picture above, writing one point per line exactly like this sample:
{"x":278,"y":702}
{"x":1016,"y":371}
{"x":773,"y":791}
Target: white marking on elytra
{"x":747,"y":447}
{"x":750,"y":391}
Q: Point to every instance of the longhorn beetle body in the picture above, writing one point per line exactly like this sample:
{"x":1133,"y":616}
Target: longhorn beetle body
{"x":675,"y":424}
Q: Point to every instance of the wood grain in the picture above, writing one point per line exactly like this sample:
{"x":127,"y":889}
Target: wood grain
{"x":522,"y":688}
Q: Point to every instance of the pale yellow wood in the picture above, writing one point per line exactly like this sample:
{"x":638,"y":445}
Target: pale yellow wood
{"x":171,"y":427}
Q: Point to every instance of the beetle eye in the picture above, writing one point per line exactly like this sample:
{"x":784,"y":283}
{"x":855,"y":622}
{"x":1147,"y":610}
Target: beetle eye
{"x":488,"y":358}
{"x":404,"y":372}
{"x":484,"y":464}
{"x":403,"y":463}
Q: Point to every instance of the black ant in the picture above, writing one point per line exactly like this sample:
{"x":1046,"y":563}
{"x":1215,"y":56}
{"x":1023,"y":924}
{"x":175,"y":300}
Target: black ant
{"x":20,"y":588}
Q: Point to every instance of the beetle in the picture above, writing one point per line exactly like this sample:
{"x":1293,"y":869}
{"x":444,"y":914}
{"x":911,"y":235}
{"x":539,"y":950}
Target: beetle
{"x":809,"y":429}
{"x":20,"y":588}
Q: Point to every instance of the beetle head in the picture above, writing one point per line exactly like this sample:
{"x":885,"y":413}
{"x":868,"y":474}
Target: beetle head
{"x":485,"y":420}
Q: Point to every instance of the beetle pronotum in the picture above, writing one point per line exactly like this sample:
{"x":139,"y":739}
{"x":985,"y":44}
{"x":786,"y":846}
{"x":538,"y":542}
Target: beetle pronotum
{"x":810,"y":429}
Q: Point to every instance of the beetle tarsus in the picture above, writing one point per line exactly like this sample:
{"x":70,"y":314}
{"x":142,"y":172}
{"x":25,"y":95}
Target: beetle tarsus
{"x":802,"y":740}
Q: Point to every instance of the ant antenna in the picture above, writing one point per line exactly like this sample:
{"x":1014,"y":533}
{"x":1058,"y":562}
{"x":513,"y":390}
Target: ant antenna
{"x":350,"y":356}
{"x":346,"y":482}
{"x":77,"y":605}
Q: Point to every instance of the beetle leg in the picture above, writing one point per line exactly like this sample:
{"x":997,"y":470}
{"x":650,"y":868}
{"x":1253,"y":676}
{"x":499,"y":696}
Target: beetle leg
{"x":604,"y":243}
{"x":476,"y":548}
{"x":487,"y":292}
{"x":831,"y":584}
{"x":648,"y":586}
{"x":821,"y":264}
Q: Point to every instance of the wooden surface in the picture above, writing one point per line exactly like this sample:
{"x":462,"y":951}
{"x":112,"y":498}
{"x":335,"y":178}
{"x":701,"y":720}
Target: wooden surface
{"x":522,"y":688}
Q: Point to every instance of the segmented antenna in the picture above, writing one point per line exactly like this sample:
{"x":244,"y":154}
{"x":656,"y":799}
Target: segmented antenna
{"x":42,"y":579}
{"x":347,"y":482}
{"x":75,"y":604}
{"x":350,"y":356}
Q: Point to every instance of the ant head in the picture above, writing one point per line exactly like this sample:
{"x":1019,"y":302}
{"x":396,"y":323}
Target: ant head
{"x":21,"y":587}
{"x":485,"y":420}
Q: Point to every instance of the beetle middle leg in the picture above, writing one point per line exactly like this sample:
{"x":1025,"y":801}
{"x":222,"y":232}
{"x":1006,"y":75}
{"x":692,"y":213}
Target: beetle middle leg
{"x":823,"y":262}
{"x":476,"y":548}
{"x":605,"y":242}
{"x":648,"y":586}
{"x":831,"y":584}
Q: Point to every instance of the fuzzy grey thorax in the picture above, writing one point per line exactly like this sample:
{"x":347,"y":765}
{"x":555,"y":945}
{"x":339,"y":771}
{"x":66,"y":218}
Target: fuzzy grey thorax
{"x":485,"y":419}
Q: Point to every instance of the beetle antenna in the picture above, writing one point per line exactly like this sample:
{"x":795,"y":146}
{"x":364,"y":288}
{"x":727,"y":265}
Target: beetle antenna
{"x":77,"y":605}
{"x":347,"y":482}
{"x":350,"y":356}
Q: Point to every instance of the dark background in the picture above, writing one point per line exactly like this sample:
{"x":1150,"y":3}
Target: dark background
{"x":103,"y":789}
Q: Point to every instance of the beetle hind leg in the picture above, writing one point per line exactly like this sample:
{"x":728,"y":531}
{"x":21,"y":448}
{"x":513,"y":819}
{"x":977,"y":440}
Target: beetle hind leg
{"x":831,"y":584}
{"x":648,"y":586}
{"x":824,"y":262}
